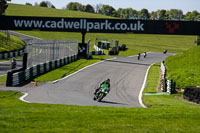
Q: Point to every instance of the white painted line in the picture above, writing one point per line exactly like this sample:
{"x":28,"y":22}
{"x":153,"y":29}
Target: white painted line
{"x":22,"y":97}
{"x":143,"y":86}
{"x":79,"y":71}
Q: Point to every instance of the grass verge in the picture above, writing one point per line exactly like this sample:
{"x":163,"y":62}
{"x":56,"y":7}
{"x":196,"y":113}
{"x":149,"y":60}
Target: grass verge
{"x":184,"y":68}
{"x":12,"y":43}
{"x":3,"y":79}
{"x":166,"y":115}
{"x":69,"y":69}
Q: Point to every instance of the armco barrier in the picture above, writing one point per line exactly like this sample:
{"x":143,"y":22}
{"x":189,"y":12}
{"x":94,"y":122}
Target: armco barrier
{"x":6,"y":55}
{"x":192,"y":94}
{"x":166,"y":85}
{"x":19,"y":77}
{"x":163,"y":79}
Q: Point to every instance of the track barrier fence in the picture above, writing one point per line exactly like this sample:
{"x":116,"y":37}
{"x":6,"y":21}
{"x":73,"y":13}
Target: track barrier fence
{"x":43,"y":56}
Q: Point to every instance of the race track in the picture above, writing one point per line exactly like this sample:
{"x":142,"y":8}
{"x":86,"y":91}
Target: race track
{"x":126,"y":73}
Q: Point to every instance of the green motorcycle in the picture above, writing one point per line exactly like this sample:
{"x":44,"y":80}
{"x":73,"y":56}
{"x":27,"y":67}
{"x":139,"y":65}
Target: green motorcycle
{"x":103,"y":91}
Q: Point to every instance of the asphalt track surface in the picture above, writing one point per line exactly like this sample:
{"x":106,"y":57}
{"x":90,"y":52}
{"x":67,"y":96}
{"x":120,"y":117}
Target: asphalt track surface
{"x":6,"y":66}
{"x":126,"y":74}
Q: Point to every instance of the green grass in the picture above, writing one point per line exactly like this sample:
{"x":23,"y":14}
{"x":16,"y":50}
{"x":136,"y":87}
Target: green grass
{"x":24,"y":10}
{"x":14,"y":43}
{"x":153,"y":79}
{"x":69,"y":69}
{"x":184,"y":68}
{"x":3,"y":79}
{"x":135,"y":42}
{"x":166,"y":115}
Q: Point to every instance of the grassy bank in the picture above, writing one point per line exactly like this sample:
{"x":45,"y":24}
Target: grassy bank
{"x":25,"y":10}
{"x":12,"y":43}
{"x":166,"y":114}
{"x":184,"y":68}
{"x":135,"y":42}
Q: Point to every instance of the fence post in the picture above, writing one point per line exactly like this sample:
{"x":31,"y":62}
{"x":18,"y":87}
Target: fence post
{"x":9,"y":79}
{"x":25,"y":60}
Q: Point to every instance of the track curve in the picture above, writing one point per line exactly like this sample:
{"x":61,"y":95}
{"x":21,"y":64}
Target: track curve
{"x":126,"y":73}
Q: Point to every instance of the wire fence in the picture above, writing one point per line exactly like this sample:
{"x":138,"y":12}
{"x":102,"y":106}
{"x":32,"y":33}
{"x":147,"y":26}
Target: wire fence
{"x":41,"y":51}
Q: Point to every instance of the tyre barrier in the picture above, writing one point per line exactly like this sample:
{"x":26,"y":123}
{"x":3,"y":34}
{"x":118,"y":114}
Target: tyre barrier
{"x":192,"y":94}
{"x":20,"y":76}
{"x":6,"y":55}
{"x":171,"y":87}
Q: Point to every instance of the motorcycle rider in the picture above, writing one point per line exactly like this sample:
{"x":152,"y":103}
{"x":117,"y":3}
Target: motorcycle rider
{"x":105,"y":83}
{"x":138,"y":56}
{"x":13,"y":63}
{"x":145,"y":54}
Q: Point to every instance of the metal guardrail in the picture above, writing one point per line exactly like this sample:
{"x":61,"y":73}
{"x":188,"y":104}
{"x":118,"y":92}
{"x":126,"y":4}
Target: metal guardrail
{"x":166,"y":85}
{"x":30,"y":73}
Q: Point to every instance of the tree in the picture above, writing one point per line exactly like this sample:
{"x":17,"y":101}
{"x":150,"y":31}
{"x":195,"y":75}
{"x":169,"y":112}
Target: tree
{"x":46,"y":4}
{"x":98,"y":8}
{"x":3,"y":6}
{"x":188,"y":16}
{"x":89,"y":8}
{"x":194,"y":15}
{"x":144,"y":14}
{"x":43,"y":4}
{"x":175,"y":14}
{"x":29,"y":4}
{"x":154,"y":15}
{"x":75,"y":6}
{"x":198,"y":17}
{"x":162,"y":14}
{"x":107,"y":10}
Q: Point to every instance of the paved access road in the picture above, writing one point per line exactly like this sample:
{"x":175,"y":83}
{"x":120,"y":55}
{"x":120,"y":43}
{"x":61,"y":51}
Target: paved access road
{"x":6,"y":66}
{"x":126,"y":73}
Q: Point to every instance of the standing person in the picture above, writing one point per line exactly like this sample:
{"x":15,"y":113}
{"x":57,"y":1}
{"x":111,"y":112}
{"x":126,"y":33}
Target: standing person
{"x":138,"y":56}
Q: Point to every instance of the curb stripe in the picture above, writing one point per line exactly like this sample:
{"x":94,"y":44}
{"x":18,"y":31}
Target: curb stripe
{"x":143,"y":86}
{"x":22,"y":97}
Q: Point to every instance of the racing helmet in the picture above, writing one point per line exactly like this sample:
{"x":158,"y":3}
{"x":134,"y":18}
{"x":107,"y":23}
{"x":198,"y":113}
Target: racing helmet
{"x":108,"y":80}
